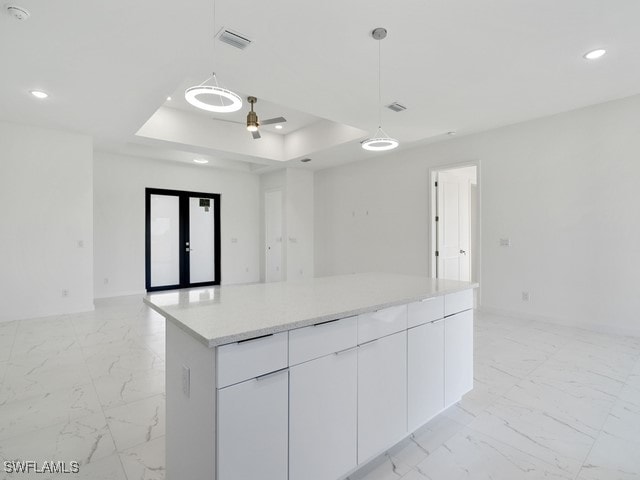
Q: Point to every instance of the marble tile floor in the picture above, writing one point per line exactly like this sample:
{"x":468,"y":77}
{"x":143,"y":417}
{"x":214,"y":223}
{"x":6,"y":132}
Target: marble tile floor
{"x":549,"y":402}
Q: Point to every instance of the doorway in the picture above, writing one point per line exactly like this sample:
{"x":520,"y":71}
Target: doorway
{"x":182,"y":239}
{"x":454,"y":224}
{"x":273,"y":235}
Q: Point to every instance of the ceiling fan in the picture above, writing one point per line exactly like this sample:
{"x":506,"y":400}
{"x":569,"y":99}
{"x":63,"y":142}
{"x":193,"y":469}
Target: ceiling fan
{"x":253,"y":123}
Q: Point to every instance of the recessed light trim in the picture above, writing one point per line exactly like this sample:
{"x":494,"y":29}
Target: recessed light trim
{"x":39,"y":94}
{"x":201,"y":160}
{"x":19,"y":13}
{"x":595,"y":54}
{"x":279,"y":127}
{"x":168,"y":99}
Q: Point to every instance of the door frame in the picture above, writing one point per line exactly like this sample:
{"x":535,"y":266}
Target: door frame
{"x":183,"y":197}
{"x":431,"y":264}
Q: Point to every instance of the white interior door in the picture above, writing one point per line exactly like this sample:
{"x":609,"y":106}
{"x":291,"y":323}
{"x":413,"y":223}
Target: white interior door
{"x":165,"y":236}
{"x":202,"y":258}
{"x":453,"y":226}
{"x":273,"y":235}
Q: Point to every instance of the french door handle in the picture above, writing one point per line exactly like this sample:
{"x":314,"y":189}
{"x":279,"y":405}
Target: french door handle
{"x":463,"y":252}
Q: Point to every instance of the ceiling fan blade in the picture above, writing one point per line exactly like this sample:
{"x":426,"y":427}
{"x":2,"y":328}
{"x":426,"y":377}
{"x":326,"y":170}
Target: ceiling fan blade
{"x":255,"y":135}
{"x":269,"y":121}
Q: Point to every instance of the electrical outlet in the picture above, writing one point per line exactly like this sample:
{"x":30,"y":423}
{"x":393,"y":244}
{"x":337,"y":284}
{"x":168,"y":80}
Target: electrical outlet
{"x":106,"y":281}
{"x":65,"y":293}
{"x":525,"y":296}
{"x":505,"y":242}
{"x":234,"y":240}
{"x":80,"y":243}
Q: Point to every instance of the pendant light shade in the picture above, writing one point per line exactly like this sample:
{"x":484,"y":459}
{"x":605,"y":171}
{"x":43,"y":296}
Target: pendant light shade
{"x":380,"y":142}
{"x":221,"y":99}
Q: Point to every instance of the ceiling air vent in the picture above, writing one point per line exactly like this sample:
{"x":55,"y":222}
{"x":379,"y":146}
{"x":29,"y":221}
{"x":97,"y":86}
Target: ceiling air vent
{"x":234,"y":39}
{"x":396,"y":107}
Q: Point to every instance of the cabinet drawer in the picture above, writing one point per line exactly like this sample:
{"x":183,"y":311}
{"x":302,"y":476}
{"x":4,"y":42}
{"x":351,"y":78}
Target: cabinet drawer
{"x":251,"y":358}
{"x":381,"y":323}
{"x":425,"y":311}
{"x":458,"y":302}
{"x":318,"y":340}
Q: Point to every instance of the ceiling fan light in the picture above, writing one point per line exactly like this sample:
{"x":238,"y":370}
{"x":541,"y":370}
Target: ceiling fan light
{"x":380,"y":144}
{"x":191,"y":95}
{"x":252,"y":120}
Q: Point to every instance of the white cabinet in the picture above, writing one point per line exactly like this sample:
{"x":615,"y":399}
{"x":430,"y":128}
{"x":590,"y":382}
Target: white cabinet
{"x":425,"y":311}
{"x":425,"y":378}
{"x":382,"y":394}
{"x":458,"y":302}
{"x":381,"y":322}
{"x":253,"y":429}
{"x":250,"y":358}
{"x":322,"y":339}
{"x":458,"y":356}
{"x":323,"y":412}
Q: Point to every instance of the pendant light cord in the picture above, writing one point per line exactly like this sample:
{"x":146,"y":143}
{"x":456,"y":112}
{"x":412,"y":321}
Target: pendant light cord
{"x":379,"y":88}
{"x":215,"y":79}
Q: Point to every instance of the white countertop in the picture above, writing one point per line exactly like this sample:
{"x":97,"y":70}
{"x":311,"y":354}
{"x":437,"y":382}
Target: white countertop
{"x":229,"y":313}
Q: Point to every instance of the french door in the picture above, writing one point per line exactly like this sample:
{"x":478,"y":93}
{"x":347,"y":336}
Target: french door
{"x":182,"y":239}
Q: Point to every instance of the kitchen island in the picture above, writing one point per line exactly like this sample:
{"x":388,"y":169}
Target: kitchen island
{"x":311,"y":379}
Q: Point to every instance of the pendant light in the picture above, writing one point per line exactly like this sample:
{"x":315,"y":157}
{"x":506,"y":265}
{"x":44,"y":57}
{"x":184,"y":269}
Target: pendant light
{"x":380,"y":141}
{"x":226,"y":101}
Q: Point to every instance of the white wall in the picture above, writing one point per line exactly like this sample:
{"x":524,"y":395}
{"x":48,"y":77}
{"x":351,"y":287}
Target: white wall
{"x":565,"y":189}
{"x":46,"y":205}
{"x":299,"y":215}
{"x":297,"y":220}
{"x":119,"y":188}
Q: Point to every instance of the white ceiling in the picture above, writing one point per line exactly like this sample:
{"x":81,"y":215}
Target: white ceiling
{"x":458,"y":65}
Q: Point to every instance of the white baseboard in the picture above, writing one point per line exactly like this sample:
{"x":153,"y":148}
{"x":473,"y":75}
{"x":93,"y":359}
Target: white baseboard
{"x":119,"y":294}
{"x":594,"y":327}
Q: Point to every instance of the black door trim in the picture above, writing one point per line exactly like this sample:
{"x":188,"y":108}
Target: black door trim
{"x":183,"y":237}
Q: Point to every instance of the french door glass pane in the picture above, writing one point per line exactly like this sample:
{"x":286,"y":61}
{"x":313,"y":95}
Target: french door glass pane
{"x":165,"y":238}
{"x":202,"y":243}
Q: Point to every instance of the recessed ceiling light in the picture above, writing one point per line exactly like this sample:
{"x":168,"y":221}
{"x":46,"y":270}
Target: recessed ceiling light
{"x":305,"y":160}
{"x":168,"y":99}
{"x":39,"y":94}
{"x":201,"y":160}
{"x":593,"y":54}
{"x":451,"y":133}
{"x":279,"y":127}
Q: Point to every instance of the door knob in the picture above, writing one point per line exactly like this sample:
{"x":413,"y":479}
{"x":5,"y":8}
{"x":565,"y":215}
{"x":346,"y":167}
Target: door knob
{"x":463,"y":252}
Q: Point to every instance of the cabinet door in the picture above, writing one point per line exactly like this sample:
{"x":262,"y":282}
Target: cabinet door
{"x":253,"y":429}
{"x":426,"y":372}
{"x":458,"y":356}
{"x":323,"y":412}
{"x":382,"y":394}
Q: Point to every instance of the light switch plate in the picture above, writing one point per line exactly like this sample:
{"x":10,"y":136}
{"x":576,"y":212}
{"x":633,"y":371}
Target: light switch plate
{"x":505,"y":242}
{"x":186,"y":380}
